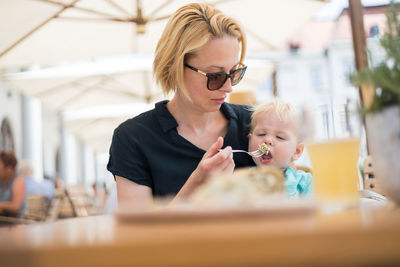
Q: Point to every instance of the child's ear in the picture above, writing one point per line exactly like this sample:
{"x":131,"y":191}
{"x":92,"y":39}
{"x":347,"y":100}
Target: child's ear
{"x":298,"y":152}
{"x":249,"y":136}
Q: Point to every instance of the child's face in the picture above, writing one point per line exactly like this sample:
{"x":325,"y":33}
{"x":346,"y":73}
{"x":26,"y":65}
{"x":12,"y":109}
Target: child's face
{"x":279,"y":136}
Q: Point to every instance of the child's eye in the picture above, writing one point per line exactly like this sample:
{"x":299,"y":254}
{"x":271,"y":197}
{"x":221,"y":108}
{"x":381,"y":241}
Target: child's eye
{"x":281,"y":137}
{"x":261,"y":134}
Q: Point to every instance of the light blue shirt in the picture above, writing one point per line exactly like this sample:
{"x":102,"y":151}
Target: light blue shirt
{"x":298,"y":183}
{"x":44,"y":188}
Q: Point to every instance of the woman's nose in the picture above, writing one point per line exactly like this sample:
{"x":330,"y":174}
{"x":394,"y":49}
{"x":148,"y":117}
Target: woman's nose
{"x":227,"y":87}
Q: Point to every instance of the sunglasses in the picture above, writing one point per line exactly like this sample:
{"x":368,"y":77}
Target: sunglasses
{"x":216,"y":80}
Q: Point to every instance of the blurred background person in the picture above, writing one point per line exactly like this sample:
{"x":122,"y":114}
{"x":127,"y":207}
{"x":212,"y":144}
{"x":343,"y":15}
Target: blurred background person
{"x":12,"y":187}
{"x":34,"y":187}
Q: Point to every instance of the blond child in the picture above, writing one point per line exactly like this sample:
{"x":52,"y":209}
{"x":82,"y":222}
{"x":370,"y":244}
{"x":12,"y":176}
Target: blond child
{"x":277,"y":125}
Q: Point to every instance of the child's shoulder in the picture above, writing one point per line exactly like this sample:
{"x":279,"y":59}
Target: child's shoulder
{"x":297,"y":173}
{"x":302,"y":179}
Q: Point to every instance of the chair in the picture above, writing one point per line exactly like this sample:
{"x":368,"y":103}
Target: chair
{"x":303,"y":168}
{"x":370,"y":181}
{"x":37,"y":211}
{"x":243,"y":98}
{"x":37,"y":207}
{"x":78,"y":202}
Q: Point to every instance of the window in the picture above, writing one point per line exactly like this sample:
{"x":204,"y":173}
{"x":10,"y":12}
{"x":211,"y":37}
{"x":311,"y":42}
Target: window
{"x":348,"y":68}
{"x":316,"y":78}
{"x":6,"y":136}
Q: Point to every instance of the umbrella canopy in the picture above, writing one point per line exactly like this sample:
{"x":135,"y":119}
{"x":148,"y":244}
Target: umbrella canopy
{"x":106,"y":81}
{"x":54,"y":31}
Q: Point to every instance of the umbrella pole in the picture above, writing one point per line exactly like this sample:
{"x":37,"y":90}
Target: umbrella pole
{"x":360,"y":51}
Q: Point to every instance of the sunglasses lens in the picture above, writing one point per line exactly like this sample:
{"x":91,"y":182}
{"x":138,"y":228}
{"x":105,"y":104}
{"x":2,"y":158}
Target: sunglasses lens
{"x":237,"y":75}
{"x":216,"y":80}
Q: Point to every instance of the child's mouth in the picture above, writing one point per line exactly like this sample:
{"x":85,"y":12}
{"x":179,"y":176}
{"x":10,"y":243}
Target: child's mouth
{"x":266,"y":158}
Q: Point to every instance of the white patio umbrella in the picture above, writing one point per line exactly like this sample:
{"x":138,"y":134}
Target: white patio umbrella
{"x":54,"y":31}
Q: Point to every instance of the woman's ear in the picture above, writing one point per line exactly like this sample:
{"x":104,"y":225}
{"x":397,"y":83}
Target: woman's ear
{"x":298,"y":152}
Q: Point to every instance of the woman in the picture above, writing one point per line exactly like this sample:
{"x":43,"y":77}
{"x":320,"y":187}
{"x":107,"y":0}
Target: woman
{"x":12,"y":188}
{"x":172,"y":149}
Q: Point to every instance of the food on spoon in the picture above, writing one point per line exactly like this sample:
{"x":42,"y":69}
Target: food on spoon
{"x":263,"y":148}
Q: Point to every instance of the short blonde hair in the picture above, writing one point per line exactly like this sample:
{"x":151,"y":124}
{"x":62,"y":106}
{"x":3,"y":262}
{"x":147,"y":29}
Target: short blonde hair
{"x":188,"y":29}
{"x":284,"y":111}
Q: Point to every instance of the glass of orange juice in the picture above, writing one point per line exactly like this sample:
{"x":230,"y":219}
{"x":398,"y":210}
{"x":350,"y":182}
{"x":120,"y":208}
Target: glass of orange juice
{"x":334,"y":154}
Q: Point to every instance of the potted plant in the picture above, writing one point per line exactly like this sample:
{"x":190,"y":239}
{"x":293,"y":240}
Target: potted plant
{"x":383,"y":113}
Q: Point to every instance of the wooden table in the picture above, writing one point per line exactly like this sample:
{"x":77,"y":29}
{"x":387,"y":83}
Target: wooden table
{"x":353,"y":237}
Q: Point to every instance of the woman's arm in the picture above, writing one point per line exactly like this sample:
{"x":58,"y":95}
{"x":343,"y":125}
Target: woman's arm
{"x":135,"y":196}
{"x":18,"y":194}
{"x":132,"y":195}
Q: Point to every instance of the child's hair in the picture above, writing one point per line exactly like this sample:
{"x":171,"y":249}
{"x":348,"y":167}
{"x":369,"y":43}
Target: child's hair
{"x":284,"y":111}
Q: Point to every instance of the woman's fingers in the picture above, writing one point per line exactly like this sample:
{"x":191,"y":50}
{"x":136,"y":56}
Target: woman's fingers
{"x":220,"y":162}
{"x":225,"y":167}
{"x":215,"y":161}
{"x":214,"y":148}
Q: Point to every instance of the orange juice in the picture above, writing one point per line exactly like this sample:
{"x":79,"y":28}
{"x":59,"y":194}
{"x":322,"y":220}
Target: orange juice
{"x":334,"y":165}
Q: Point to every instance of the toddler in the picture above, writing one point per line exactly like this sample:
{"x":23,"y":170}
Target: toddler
{"x":276,"y":125}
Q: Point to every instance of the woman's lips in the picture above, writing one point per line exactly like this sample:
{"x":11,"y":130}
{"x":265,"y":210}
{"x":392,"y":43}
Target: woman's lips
{"x":219,"y":100}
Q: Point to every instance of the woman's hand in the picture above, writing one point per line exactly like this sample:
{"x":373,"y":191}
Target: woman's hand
{"x":214,"y":162}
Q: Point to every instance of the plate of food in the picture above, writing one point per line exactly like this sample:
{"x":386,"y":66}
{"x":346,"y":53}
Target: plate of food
{"x":256,"y":192}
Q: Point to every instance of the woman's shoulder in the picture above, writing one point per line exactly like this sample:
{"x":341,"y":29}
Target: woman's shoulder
{"x":241,"y":111}
{"x":143,"y":119}
{"x":19,"y":181}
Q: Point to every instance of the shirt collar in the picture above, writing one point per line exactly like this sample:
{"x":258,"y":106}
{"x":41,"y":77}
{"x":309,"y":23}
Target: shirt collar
{"x":168,"y":122}
{"x":228,"y":112}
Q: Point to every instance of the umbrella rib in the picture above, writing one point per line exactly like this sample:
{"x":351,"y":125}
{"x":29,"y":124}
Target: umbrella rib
{"x":161,"y":18}
{"x":98,"y":19}
{"x":84,"y":91}
{"x":148,"y":96}
{"x":123,"y":93}
{"x":157,"y":9}
{"x":81,"y":127}
{"x":49,"y":90}
{"x":262,"y":40}
{"x":78,"y":8}
{"x":219,"y":2}
{"x":120,"y":91}
{"x":37,"y":28}
{"x":118,"y":7}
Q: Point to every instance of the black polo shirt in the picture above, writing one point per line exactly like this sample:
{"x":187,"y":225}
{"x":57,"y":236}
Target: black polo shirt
{"x":148,"y":150}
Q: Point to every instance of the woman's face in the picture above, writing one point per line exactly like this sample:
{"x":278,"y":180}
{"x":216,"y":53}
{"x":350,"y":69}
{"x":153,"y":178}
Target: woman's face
{"x":6,"y":172}
{"x":279,"y":136}
{"x":3,"y":170}
{"x":219,"y":54}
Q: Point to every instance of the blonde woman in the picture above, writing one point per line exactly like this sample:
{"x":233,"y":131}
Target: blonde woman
{"x":172,"y":149}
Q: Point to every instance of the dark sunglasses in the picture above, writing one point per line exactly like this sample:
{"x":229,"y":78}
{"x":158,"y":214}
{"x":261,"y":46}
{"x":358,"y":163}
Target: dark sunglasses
{"x":217,"y":79}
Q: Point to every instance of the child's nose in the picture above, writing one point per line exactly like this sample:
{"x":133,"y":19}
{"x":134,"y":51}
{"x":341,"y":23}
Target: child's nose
{"x":268,"y":140}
